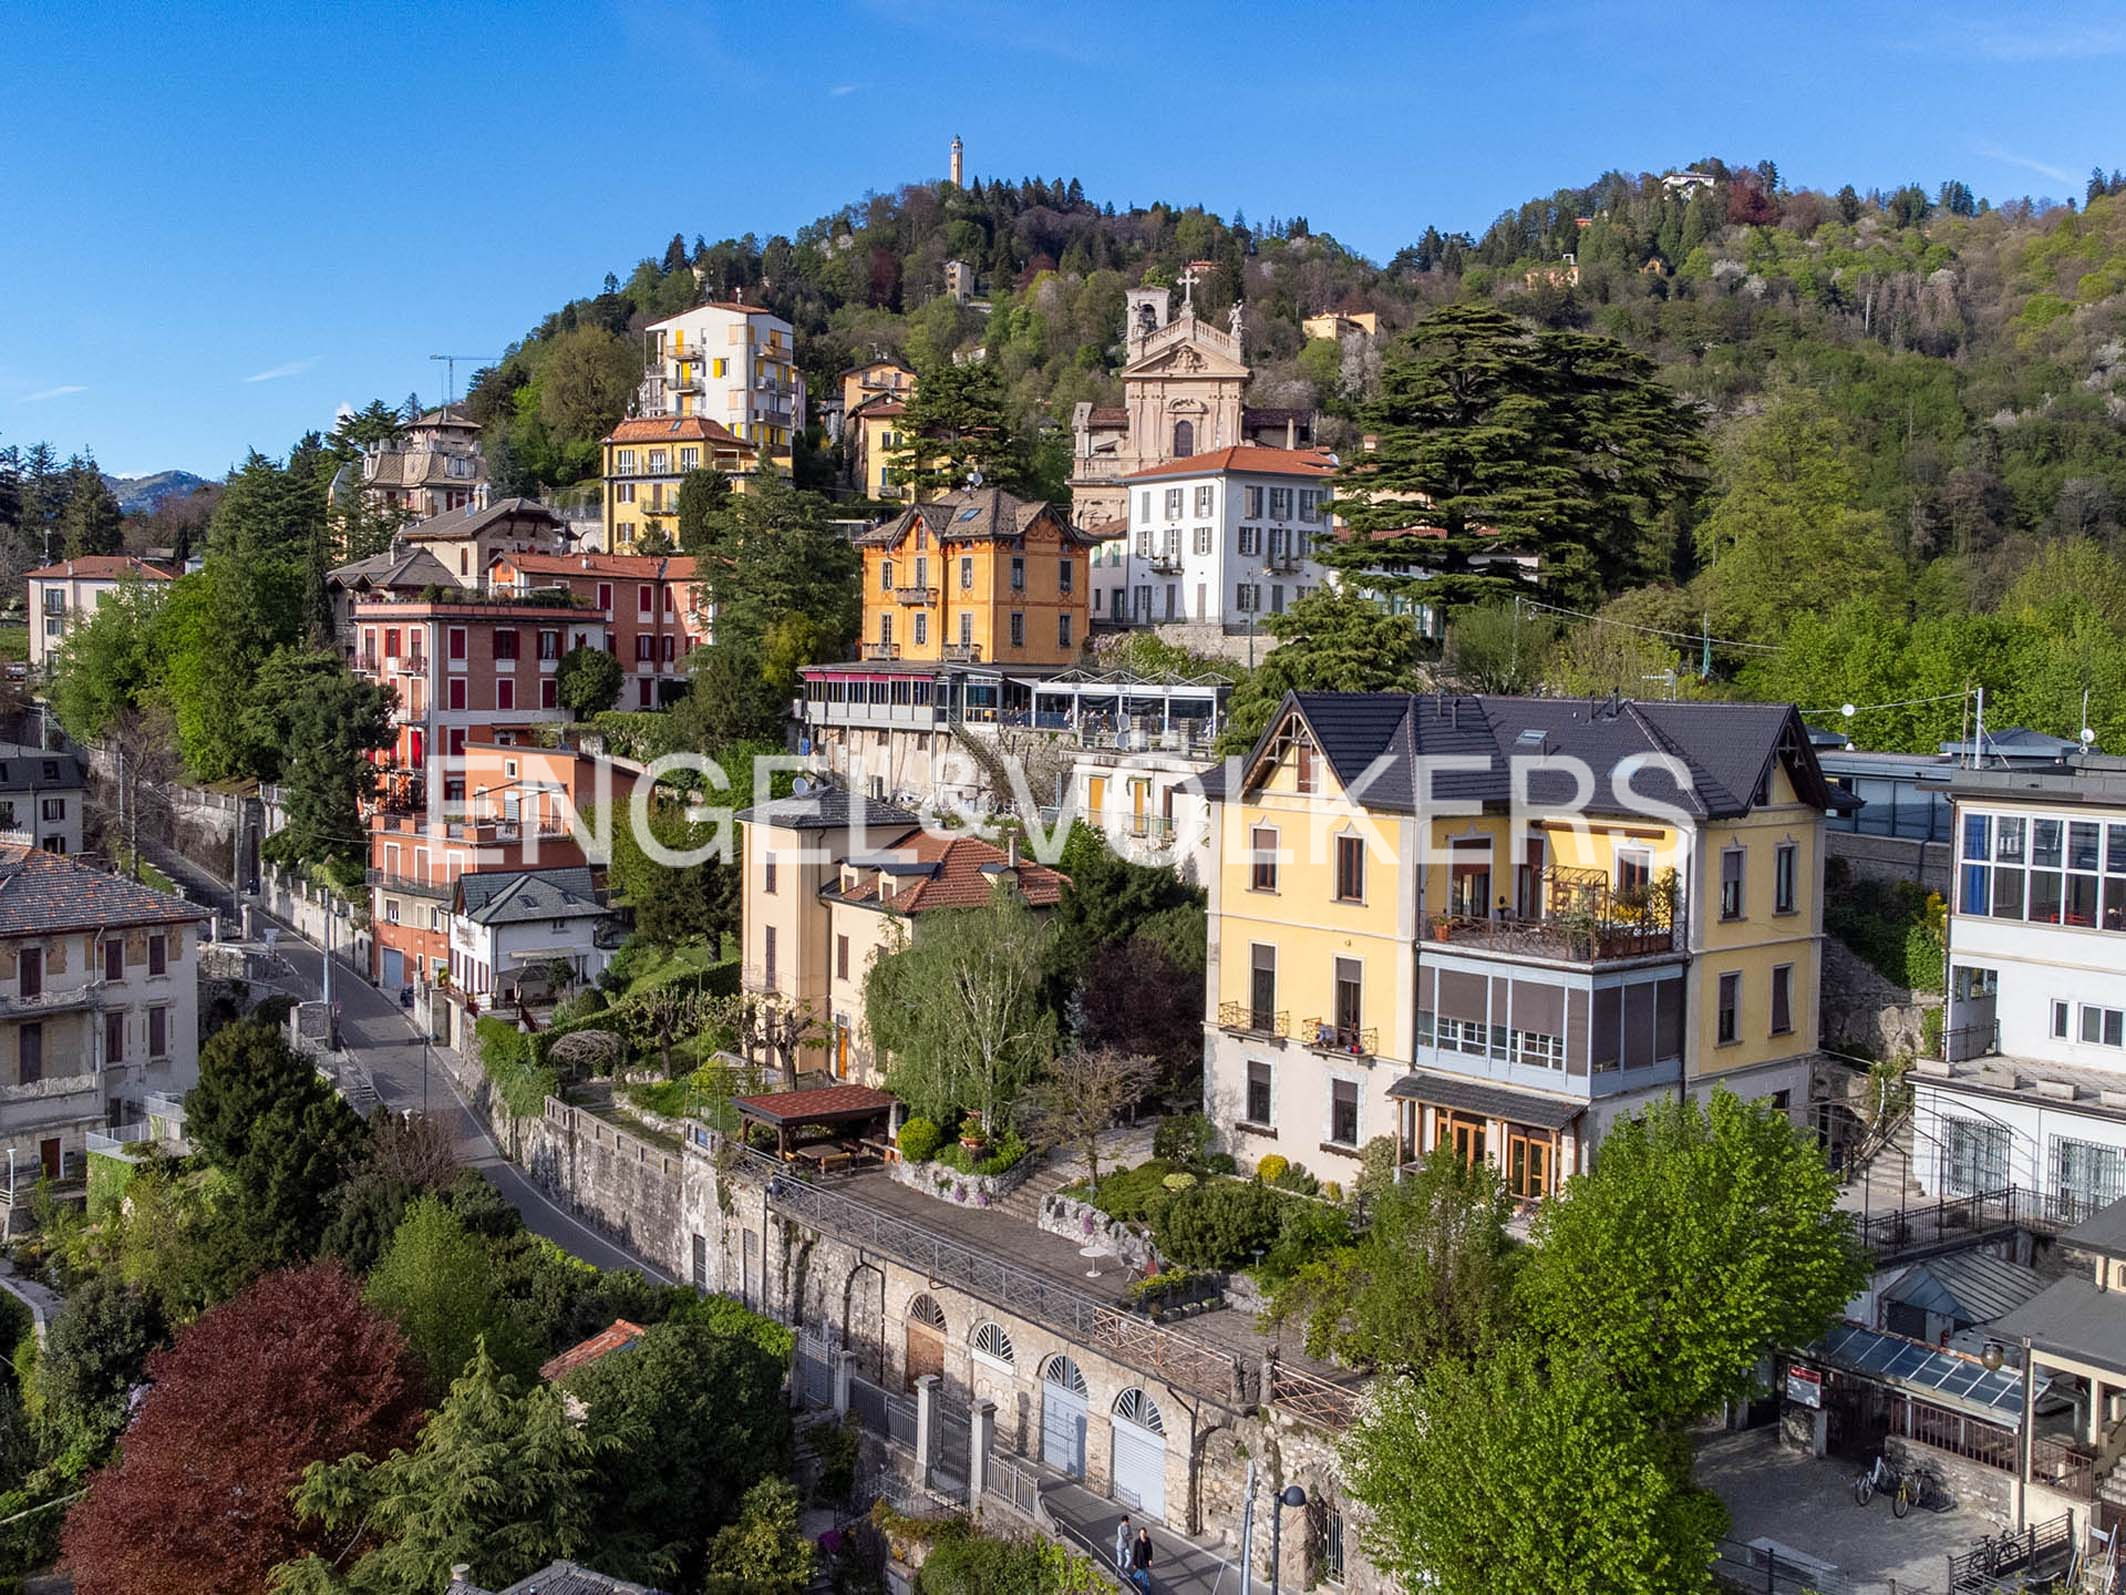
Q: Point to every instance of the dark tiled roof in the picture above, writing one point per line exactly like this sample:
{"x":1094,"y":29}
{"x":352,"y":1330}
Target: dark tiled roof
{"x":566,"y":1578}
{"x":1493,"y":1101}
{"x":469,"y":520}
{"x":976,"y":515}
{"x":509,"y":897}
{"x":2074,"y":1318}
{"x":828,"y":808}
{"x":415,"y":568}
{"x":42,"y":893}
{"x":32,"y":769}
{"x":1726,"y":748}
{"x":2102,"y":1231}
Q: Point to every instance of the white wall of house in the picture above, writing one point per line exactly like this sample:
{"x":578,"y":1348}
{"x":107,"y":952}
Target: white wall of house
{"x":1217,"y":547}
{"x":482,"y":955}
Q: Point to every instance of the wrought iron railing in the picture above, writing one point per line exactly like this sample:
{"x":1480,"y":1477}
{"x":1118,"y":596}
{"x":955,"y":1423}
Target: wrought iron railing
{"x":1245,"y":1019}
{"x":1311,"y":1398}
{"x":1991,"y":1564}
{"x":1151,"y":1348}
{"x":1961,"y":1218}
{"x":1357,"y":1041}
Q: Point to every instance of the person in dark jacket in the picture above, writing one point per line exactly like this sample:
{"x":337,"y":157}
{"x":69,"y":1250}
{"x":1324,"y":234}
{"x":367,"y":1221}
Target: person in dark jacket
{"x":1140,"y":1561}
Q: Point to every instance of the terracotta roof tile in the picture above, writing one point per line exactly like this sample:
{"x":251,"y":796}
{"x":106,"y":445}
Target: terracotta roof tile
{"x":102,"y":567}
{"x":1243,"y":457}
{"x":953,"y":872}
{"x":640,"y":567}
{"x":678,"y":429}
{"x":616,"y":1336}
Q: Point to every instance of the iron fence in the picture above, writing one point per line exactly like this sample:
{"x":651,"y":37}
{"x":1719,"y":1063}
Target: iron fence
{"x":2014,"y":1561}
{"x":1960,"y":1218}
{"x":817,"y":1350}
{"x":1311,"y":1398}
{"x":1014,"y":1483}
{"x":1203,"y":1370}
{"x":1761,"y":1571}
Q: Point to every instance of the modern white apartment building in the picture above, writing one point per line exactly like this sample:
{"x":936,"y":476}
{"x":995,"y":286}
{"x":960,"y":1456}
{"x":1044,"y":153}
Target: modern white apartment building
{"x":1220,"y":539}
{"x":734,"y":364}
{"x":2030,"y":1087}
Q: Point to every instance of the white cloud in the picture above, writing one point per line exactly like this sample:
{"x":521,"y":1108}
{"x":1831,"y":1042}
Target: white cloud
{"x":287,"y":368}
{"x":840,"y":89}
{"x":59,"y":392}
{"x":1994,"y":152}
{"x":2057,"y":41}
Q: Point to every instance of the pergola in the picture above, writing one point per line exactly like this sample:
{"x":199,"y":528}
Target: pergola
{"x":856,"y":1111}
{"x":1112,"y":697}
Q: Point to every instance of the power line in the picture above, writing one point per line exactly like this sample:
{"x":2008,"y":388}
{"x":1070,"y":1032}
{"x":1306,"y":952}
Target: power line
{"x":1848,"y":710}
{"x":1697,"y":638}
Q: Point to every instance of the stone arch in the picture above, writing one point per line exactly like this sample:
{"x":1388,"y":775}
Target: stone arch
{"x":991,"y":1339}
{"x":1184,"y":438}
{"x":1060,"y":1370}
{"x":1135,"y":1405}
{"x":924,"y":1310}
{"x":864,"y":1317}
{"x":923,"y":1340}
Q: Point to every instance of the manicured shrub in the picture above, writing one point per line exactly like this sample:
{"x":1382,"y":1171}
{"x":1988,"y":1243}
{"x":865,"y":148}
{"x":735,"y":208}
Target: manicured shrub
{"x":919,"y":1139}
{"x":1184,"y":1139}
{"x":1272,"y":1168}
{"x":1220,"y":1225}
{"x":1136,"y":1195}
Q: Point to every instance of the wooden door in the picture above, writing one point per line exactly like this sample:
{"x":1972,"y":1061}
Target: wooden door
{"x":1468,"y":1134}
{"x":924,"y":1352}
{"x":49,"y":1154}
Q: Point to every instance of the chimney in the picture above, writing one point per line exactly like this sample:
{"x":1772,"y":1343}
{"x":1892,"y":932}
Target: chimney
{"x":1291,"y":431}
{"x":1011,"y":851}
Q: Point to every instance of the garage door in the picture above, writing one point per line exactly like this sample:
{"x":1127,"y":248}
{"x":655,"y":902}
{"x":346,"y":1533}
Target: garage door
{"x":1063,"y":1417}
{"x":1140,"y":1454}
{"x":394,"y":972}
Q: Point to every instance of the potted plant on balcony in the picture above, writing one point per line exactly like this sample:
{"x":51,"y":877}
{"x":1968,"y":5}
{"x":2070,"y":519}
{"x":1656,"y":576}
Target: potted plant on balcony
{"x":1442,"y":927}
{"x":1579,"y":932}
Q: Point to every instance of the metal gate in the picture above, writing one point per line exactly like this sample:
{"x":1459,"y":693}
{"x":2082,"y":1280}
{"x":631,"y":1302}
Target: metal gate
{"x":952,"y":1426}
{"x":1140,"y":1454}
{"x":817,"y":1350}
{"x":1063,"y":1417}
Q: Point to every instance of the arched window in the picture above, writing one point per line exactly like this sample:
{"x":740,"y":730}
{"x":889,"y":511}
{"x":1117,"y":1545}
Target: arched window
{"x":925,"y":1311}
{"x":1063,"y":1372}
{"x":1134,"y":1406}
{"x":991,"y":1341}
{"x":1184,"y":439}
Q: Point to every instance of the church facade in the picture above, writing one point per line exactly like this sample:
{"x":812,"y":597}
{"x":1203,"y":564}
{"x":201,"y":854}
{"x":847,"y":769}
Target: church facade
{"x":1183,"y":384}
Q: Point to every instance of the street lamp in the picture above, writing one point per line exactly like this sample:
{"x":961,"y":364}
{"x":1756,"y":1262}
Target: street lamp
{"x":1290,"y":1495}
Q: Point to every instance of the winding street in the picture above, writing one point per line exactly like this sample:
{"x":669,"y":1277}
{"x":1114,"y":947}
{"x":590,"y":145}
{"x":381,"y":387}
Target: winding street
{"x":384,"y":1040}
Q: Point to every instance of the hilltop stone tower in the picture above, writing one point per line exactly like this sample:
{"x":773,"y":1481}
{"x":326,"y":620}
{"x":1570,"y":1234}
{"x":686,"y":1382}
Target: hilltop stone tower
{"x":959,"y":163}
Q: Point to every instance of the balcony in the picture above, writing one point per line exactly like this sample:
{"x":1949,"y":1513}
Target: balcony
{"x":963,"y":653}
{"x":1158,"y":829}
{"x":407,"y":665}
{"x":882,"y":650}
{"x":1164,"y":564}
{"x":670,"y":507}
{"x":1245,"y":1019}
{"x":924,"y":596}
{"x":1348,"y":1041}
{"x":384,"y":880}
{"x":1283,"y":561}
{"x":1585,"y":920}
{"x":51,"y":1000}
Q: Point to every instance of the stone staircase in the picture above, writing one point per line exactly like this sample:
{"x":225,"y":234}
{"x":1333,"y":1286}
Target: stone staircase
{"x":1119,"y":1148}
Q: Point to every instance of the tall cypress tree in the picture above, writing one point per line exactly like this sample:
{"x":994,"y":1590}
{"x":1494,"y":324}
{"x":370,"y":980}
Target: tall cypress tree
{"x":91,"y":521}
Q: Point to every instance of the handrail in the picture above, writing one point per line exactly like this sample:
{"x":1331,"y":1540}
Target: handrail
{"x":1204,"y":1370}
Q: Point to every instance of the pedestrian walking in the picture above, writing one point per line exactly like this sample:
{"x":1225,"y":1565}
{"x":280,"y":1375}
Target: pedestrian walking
{"x":1123,"y":1538}
{"x":1140,"y":1561}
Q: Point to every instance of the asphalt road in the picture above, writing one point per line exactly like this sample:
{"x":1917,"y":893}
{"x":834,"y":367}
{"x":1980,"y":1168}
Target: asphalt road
{"x":385,"y":1041}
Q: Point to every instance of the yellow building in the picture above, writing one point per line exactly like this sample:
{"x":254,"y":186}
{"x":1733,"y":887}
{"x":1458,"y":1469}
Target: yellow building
{"x":830,"y":885}
{"x":1401,"y":946}
{"x":645,"y":461}
{"x":977,"y":577}
{"x":874,"y":432}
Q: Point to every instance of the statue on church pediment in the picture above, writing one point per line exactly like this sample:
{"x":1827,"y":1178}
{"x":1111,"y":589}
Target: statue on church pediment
{"x":1235,"y":317}
{"x":1188,"y":360}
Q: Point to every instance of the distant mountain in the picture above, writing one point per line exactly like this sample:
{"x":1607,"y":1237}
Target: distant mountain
{"x":137,"y":495}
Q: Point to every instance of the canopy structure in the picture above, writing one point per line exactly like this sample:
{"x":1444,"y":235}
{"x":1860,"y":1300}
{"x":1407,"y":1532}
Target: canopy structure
{"x":1947,"y":1378}
{"x":853,"y":1109}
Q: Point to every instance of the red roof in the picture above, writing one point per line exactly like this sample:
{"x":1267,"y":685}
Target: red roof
{"x":817,"y":1106}
{"x":103,"y":567}
{"x":677,"y":429}
{"x":615,"y":1337}
{"x":937,"y":872}
{"x":641,"y":567}
{"x":1243,"y":457}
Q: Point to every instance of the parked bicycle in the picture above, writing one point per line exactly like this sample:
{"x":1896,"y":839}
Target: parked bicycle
{"x":1901,"y":1488}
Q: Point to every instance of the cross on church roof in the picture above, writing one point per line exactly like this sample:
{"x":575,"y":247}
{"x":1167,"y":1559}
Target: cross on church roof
{"x":1188,"y":280}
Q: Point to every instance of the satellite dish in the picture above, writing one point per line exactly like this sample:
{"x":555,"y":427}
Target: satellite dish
{"x":974,"y":478}
{"x":2088,"y":736}
{"x":1848,"y":711}
{"x":800,"y":787}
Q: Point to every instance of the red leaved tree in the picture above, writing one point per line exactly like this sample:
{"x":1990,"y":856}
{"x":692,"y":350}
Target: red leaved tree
{"x":294,"y":1370}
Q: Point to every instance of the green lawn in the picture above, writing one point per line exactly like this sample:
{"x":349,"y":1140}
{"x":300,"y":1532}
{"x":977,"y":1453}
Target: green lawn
{"x":673,"y":963}
{"x":14,"y":642}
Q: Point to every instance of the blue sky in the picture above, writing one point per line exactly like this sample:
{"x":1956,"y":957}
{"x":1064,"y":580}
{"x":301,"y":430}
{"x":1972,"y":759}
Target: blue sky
{"x":225,"y":220}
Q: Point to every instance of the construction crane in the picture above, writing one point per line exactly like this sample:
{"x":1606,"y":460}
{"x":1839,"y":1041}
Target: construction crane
{"x":450,"y":369}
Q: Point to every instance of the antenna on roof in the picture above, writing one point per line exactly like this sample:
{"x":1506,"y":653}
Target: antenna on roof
{"x":800,"y":787}
{"x":974,"y":478}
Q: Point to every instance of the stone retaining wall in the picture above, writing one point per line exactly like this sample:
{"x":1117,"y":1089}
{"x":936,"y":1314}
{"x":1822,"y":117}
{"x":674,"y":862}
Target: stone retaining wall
{"x":1087,"y":1225}
{"x":1865,"y":1013}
